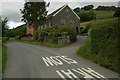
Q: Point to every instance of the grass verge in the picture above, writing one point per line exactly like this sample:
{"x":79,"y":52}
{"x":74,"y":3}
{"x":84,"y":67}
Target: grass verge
{"x":51,"y":45}
{"x":4,"y":57}
{"x":109,"y":63}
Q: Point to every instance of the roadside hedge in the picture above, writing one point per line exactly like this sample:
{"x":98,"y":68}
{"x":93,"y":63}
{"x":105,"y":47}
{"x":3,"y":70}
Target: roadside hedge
{"x":103,"y":45}
{"x":105,"y":42}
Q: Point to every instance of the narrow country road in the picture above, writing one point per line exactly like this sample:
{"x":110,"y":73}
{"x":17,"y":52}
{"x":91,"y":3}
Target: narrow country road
{"x":31,"y":61}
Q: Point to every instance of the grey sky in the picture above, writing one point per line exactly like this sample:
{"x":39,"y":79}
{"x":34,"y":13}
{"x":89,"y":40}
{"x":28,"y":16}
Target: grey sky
{"x":11,"y":8}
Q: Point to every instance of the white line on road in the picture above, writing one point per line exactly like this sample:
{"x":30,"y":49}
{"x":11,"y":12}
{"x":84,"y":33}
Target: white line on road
{"x":88,"y":73}
{"x":57,"y":60}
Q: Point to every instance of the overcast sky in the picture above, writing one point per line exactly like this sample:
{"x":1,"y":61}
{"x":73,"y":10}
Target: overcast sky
{"x":11,"y":8}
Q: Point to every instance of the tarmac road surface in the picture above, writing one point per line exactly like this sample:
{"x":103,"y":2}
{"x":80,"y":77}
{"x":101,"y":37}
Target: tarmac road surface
{"x":31,"y":61}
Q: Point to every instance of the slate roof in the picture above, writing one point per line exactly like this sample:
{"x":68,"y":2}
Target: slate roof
{"x":58,"y":10}
{"x":51,"y":15}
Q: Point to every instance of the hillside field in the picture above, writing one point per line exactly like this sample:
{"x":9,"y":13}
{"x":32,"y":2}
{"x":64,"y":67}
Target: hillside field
{"x":99,"y":15}
{"x":103,"y":14}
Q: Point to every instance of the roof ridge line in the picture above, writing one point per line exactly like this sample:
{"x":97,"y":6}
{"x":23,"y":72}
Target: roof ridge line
{"x":60,"y":9}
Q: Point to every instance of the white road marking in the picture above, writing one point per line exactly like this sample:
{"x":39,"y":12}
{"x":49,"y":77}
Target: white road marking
{"x":57,"y":60}
{"x":82,"y":73}
{"x":48,"y":61}
{"x":70,"y":60}
{"x":69,"y":74}
{"x":88,"y":73}
{"x":94,"y":73}
{"x":61,"y":75}
{"x":62,"y":59}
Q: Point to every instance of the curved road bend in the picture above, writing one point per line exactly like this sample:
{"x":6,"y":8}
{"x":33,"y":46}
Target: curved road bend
{"x":31,"y":61}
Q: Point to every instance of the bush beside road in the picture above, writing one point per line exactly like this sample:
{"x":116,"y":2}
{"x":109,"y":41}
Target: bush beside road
{"x":103,"y":45}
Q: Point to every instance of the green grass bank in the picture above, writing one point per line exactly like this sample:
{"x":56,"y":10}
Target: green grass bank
{"x":48,"y":44}
{"x":4,"y":57}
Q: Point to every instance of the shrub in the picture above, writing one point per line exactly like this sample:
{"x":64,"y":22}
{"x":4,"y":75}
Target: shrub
{"x":117,"y":12}
{"x":103,"y":46}
{"x":70,"y":30}
{"x":41,"y":35}
{"x":105,"y":42}
{"x":85,"y":28}
{"x":17,"y":38}
{"x":5,"y":39}
{"x":87,"y":16}
{"x":53,"y":33}
{"x":36,"y":35}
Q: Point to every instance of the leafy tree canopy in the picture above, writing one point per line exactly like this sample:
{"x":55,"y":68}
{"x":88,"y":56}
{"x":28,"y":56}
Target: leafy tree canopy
{"x":89,"y":7}
{"x":4,"y":25}
{"x":117,"y":12}
{"x":87,"y":16}
{"x":34,"y":13}
{"x":106,"y":8}
{"x":77,"y":9}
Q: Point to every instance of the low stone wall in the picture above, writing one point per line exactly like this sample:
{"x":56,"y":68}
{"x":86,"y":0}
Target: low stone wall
{"x":64,"y":40}
{"x":28,"y":38}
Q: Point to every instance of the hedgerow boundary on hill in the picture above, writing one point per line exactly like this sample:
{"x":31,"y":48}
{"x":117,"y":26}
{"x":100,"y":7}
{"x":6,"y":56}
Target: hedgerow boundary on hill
{"x":103,"y":45}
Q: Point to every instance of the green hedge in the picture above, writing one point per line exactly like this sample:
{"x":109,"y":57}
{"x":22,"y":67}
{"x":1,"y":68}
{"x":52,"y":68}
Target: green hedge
{"x":103,"y":46}
{"x":105,"y":43}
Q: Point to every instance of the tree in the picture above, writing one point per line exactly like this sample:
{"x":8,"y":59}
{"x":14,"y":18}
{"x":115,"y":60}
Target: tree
{"x":18,"y":31}
{"x":106,"y":8}
{"x":117,"y":12}
{"x":87,"y":16}
{"x":91,"y":15}
{"x":4,"y":23}
{"x":4,"y":26}
{"x":89,"y":7}
{"x":34,"y":13}
{"x":77,"y":9}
